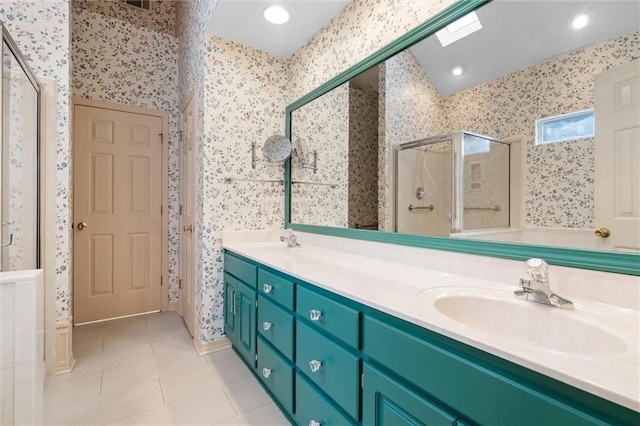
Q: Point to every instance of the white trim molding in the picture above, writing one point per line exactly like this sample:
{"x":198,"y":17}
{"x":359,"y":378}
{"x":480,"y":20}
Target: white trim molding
{"x":64,"y":353}
{"x":206,"y":348}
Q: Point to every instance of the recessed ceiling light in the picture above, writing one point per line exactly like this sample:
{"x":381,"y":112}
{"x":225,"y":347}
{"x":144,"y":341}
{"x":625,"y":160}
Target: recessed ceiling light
{"x":580,"y":20}
{"x":461,"y":28}
{"x":276,"y":14}
{"x":458,"y":70}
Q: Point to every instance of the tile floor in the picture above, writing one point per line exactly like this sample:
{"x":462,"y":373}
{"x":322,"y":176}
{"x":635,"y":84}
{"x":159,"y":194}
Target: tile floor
{"x":145,"y":371}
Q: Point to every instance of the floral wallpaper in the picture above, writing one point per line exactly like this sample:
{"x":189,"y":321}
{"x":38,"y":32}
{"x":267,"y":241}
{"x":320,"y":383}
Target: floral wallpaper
{"x":323,"y":126}
{"x":41,"y":31}
{"x":115,"y":61}
{"x":411,"y":111}
{"x":244,"y":102}
{"x":363,"y":157}
{"x":559,"y":189}
{"x":160,"y":17}
{"x":362,"y":28}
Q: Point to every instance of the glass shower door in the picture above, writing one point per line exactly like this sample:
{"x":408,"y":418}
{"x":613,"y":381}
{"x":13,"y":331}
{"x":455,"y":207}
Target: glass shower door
{"x":18,"y":166}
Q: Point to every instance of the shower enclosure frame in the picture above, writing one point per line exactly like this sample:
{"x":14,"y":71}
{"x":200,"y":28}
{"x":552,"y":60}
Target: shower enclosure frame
{"x":457,"y":178}
{"x":17,"y":54}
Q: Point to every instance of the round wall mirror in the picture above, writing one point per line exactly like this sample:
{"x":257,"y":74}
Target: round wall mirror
{"x":276,"y":149}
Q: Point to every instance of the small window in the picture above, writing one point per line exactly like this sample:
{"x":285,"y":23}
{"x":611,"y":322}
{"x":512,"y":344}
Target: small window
{"x":565,"y":127}
{"x":141,"y":4}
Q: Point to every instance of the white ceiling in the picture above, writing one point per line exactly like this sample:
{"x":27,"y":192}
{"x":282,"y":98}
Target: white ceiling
{"x":517,"y":34}
{"x":242,"y":21}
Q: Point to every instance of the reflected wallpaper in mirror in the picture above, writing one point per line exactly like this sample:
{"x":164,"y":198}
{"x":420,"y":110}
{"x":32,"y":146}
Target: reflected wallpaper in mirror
{"x":510,"y":79}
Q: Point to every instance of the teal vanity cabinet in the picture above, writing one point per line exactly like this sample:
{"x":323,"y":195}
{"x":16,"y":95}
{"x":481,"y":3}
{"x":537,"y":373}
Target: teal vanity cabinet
{"x":327,"y":356}
{"x":240,"y":278}
{"x":276,"y":331}
{"x":327,"y":360}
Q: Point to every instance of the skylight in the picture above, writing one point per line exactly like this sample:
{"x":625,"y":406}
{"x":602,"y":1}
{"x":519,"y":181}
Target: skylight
{"x":461,"y":28}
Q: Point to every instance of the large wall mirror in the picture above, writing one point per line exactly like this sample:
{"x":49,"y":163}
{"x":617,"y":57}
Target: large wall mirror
{"x":514,"y":128}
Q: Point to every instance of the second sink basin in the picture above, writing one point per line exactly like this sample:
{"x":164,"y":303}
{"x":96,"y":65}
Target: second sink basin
{"x":499,"y":313}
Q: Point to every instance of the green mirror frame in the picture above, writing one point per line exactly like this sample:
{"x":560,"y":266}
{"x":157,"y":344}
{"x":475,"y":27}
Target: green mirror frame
{"x":618,"y":262}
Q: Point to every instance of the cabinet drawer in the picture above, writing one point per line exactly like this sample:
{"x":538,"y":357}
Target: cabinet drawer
{"x":386,"y":402}
{"x":471,"y":390}
{"x":276,"y":373}
{"x":241,"y":269}
{"x":337,"y":374}
{"x":331,"y":316}
{"x":276,"y":325}
{"x":311,"y":406}
{"x":276,"y":288}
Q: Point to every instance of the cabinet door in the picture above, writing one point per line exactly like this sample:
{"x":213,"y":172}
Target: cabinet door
{"x":230,"y":288}
{"x":246,"y":323}
{"x":386,"y":402}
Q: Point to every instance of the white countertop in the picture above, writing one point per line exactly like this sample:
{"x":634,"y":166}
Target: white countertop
{"x":409,"y":291}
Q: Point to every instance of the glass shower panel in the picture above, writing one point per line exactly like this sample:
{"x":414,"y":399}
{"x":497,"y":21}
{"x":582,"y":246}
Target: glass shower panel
{"x":423,"y":188}
{"x":18,"y":164}
{"x":485,"y":185}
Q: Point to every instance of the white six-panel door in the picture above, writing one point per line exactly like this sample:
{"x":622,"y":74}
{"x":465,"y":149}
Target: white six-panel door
{"x":117,"y":213}
{"x":617,"y":147}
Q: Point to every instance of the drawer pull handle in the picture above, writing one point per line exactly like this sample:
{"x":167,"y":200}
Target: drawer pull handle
{"x":315,"y":365}
{"x":315,"y":314}
{"x":266,"y":325}
{"x":267,"y":288}
{"x":314,"y":423}
{"x":266,"y":372}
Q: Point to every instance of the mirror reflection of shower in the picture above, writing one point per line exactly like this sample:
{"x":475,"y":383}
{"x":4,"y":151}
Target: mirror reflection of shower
{"x":450,"y":184}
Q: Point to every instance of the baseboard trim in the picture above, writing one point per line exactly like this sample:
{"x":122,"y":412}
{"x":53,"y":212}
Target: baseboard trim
{"x":209,"y":347}
{"x":172,"y":306}
{"x":64,"y":352}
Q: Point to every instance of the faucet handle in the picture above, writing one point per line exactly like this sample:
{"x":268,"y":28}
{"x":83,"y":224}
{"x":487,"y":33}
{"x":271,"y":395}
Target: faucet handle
{"x":538,"y":270}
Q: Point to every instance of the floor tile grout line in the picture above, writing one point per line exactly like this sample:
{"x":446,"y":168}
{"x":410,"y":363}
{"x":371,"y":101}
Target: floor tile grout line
{"x":164,"y":400}
{"x":224,"y":392}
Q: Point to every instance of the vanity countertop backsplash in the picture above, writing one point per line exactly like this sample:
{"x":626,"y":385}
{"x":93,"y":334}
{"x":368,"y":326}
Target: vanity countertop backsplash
{"x":408,"y":282}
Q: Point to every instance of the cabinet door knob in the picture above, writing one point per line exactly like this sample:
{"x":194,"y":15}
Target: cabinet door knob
{"x":267,"y":288}
{"x":603,"y":232}
{"x":82,"y":225}
{"x":266,"y":325}
{"x":266,"y":372}
{"x":315,"y":423}
{"x":315,"y":365}
{"x":315,"y":314}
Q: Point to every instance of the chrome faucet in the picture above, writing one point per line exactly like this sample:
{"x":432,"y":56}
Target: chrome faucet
{"x":291,"y":239}
{"x":537,"y":289}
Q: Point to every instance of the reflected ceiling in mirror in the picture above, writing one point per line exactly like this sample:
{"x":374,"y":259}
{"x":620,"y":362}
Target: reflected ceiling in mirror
{"x":526,"y":63}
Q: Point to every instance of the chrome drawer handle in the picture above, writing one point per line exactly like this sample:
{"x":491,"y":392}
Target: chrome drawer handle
{"x":266,"y":325}
{"x":314,"y":423}
{"x":315,"y":365}
{"x":315,"y":314}
{"x":266,"y":372}
{"x":267,"y":288}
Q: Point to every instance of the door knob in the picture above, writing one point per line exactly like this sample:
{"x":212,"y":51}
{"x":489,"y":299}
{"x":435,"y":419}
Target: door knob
{"x":603,"y":232}
{"x":187,"y":228}
{"x":82,"y":225}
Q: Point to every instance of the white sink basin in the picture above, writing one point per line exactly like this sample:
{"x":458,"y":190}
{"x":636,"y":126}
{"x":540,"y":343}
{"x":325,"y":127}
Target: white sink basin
{"x":499,"y":313}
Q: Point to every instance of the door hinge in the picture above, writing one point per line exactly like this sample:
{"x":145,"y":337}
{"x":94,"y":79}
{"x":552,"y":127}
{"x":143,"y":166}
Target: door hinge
{"x":180,"y":283}
{"x":180,"y":208}
{"x":362,"y":380}
{"x":256,"y":356}
{"x":256,"y":303}
{"x":161,"y":209}
{"x":161,"y":283}
{"x":180,"y":135}
{"x":161,"y":137}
